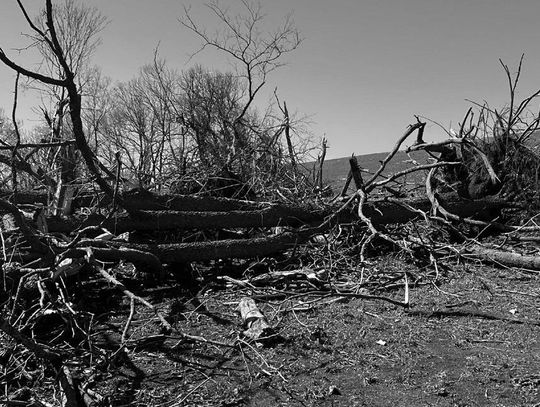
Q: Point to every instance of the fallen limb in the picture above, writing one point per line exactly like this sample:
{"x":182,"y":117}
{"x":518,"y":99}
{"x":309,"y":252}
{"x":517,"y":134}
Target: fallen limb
{"x":134,"y":297}
{"x":502,"y":257}
{"x":40,"y":350}
{"x":282,"y":294}
{"x":369,"y":184}
{"x":164,"y":322}
{"x":145,"y":200}
{"x":312,"y":277}
{"x":146,"y":259}
{"x":452,"y":214}
{"x":403,"y":304}
{"x":70,"y":395}
{"x":21,"y":223}
{"x":374,"y":232}
{"x":221,"y":249}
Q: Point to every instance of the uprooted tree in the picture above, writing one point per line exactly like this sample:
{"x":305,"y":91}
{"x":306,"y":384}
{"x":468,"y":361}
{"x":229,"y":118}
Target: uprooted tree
{"x":198,"y":133}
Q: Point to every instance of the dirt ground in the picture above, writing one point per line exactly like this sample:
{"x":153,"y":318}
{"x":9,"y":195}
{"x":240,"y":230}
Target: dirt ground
{"x":472,"y":339}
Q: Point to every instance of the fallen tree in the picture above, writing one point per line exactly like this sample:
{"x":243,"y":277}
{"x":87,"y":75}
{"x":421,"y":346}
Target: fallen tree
{"x":201,"y":213}
{"x":339,"y":234}
{"x":220,"y":249}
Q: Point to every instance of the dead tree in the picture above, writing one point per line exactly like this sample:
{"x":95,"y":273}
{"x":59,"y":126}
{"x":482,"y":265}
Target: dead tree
{"x":65,"y":80}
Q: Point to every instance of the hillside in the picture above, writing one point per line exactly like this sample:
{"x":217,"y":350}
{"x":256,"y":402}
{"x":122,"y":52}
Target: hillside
{"x":335,"y":170}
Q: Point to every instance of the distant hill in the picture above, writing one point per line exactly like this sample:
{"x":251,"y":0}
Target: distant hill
{"x":335,"y":170}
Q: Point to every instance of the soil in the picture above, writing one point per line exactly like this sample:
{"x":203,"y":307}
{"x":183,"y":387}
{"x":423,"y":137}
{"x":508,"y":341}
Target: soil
{"x":470,"y":338}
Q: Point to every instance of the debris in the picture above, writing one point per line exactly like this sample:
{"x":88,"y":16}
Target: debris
{"x":253,"y":320}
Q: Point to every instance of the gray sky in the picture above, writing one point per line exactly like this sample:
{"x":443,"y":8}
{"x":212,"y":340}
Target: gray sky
{"x":365,"y":69}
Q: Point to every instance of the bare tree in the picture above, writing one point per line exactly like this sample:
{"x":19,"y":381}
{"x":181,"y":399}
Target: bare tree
{"x":134,"y":130}
{"x":142,"y":123}
{"x":77,"y":28}
{"x":244,"y":139}
{"x":254,"y":51}
{"x":67,"y":58}
{"x":97,"y":102}
{"x":210,"y":102}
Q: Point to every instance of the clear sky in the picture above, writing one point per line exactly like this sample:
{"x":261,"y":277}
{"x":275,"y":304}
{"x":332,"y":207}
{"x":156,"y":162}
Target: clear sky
{"x":365,"y":68}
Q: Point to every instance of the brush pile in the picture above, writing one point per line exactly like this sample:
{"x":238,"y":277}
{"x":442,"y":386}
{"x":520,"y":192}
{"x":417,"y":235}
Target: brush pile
{"x":81,"y":265}
{"x":56,"y":267}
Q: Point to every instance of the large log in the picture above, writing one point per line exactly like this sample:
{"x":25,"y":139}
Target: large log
{"x":380,"y":212}
{"x":162,"y":212}
{"x":143,"y":200}
{"x":221,"y":249}
{"x":502,"y":257}
{"x":173,"y":220}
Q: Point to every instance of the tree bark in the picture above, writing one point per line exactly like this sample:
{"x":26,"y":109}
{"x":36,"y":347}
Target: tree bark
{"x":253,"y":320}
{"x":146,"y":200}
{"x":356,"y":174}
{"x":380,"y":212}
{"x":221,"y":249}
{"x":504,"y":258}
{"x":144,"y":259}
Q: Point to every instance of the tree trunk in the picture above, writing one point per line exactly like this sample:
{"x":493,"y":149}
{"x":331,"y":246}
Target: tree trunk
{"x":380,"y":212}
{"x":221,"y":249}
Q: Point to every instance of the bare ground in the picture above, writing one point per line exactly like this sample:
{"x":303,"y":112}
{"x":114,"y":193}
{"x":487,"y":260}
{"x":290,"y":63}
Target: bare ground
{"x":471,"y":340}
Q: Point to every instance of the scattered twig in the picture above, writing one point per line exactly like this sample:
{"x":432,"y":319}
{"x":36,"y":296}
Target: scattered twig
{"x":40,"y":350}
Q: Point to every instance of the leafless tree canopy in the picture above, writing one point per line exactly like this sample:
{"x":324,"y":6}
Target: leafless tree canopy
{"x":255,"y":52}
{"x":77,"y":28}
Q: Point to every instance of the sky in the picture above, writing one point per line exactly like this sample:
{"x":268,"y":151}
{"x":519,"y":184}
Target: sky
{"x":363,"y":70}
